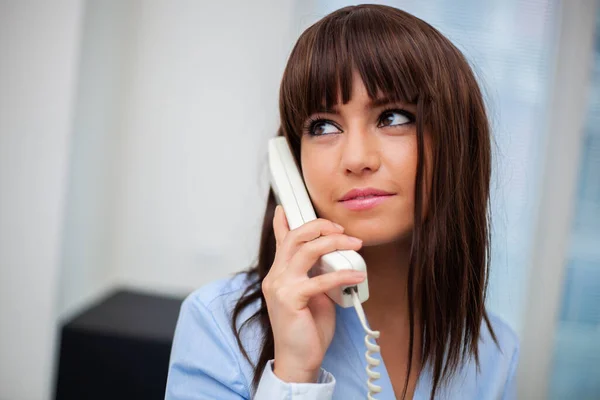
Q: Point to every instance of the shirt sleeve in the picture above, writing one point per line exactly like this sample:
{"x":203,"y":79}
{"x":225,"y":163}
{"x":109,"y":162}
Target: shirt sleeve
{"x":203,"y":364}
{"x":510,"y":389}
{"x":271,"y":387}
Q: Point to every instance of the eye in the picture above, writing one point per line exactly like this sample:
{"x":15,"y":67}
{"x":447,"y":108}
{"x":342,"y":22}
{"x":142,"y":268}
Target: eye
{"x":396,"y":117}
{"x":319,"y":127}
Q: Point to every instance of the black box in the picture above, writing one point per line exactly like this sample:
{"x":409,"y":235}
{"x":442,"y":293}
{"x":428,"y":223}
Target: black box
{"x":118,"y":348}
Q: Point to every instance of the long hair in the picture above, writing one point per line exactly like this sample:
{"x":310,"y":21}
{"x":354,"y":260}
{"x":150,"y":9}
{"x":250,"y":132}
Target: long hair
{"x":408,"y":61}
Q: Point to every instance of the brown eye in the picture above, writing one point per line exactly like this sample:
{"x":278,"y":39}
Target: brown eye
{"x":321,"y":127}
{"x":396,"y":118}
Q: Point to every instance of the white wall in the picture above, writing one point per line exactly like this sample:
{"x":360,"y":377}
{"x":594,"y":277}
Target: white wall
{"x":175,"y":103}
{"x":94,"y":167}
{"x":132,"y":140}
{"x":38,"y":53}
{"x":201,"y":101}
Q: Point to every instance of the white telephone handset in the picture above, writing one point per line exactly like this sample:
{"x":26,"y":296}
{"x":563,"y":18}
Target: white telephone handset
{"x":291,"y":193}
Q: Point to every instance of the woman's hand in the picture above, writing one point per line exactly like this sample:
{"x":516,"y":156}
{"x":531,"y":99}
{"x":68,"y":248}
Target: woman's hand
{"x":302,"y":316}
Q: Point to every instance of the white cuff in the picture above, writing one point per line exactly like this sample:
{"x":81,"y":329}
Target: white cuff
{"x":271,"y":387}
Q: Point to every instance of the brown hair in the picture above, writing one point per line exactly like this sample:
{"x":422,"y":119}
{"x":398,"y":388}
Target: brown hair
{"x":409,"y":61}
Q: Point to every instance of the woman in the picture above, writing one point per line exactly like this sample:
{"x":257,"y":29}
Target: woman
{"x":372,"y":97}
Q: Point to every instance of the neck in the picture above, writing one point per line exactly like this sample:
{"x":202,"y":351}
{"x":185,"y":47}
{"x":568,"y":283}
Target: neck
{"x":387,"y":307}
{"x":387,"y":272}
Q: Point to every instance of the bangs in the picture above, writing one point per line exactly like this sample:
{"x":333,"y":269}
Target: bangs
{"x":382,"y":51}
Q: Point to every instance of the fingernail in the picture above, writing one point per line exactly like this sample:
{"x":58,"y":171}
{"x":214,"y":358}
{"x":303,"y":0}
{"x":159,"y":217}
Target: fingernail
{"x":355,"y":239}
{"x":359,"y":274}
{"x":338,"y":226}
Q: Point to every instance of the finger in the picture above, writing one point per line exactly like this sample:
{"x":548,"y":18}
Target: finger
{"x":280,"y":225}
{"x":310,"y":252}
{"x":280,"y":230}
{"x":326,"y":282}
{"x":307,"y":232}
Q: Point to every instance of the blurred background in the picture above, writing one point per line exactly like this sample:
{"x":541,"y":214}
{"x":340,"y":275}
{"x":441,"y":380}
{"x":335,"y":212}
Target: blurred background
{"x":133,"y":155}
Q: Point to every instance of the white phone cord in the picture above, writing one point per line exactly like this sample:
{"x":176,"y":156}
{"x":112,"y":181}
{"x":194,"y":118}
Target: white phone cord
{"x":371,"y":347}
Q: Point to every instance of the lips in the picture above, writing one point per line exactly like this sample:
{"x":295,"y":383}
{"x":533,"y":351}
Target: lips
{"x":361,"y":199}
{"x":364,"y":193}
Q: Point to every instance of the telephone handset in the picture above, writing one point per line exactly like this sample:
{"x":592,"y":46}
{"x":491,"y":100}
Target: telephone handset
{"x":291,"y":193}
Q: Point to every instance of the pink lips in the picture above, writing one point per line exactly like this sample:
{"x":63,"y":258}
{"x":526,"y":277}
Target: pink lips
{"x":364,"y":199}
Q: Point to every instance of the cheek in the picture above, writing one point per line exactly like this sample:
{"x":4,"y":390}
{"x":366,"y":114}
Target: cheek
{"x":317,"y":174}
{"x":402,"y":168}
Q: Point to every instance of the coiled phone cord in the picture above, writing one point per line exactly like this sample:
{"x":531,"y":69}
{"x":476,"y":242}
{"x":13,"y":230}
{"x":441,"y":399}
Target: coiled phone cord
{"x":372,"y":347}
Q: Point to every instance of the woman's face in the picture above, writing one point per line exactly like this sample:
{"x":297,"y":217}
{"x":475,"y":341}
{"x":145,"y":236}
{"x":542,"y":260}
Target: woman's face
{"x":361,"y":146}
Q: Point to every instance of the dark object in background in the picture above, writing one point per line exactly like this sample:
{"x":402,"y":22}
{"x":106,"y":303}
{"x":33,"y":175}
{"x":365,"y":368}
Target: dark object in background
{"x":118,"y":348}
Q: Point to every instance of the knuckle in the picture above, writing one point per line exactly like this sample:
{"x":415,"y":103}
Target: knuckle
{"x":312,"y":248}
{"x":265,"y":286}
{"x":280,"y":294}
{"x":292,"y":236}
{"x":338,"y":238}
{"x":322,"y":223}
{"x":327,"y":224}
{"x":323,"y":283}
{"x":269,"y":283}
{"x":333,"y":241}
{"x":324,"y":244}
{"x":317,"y":247}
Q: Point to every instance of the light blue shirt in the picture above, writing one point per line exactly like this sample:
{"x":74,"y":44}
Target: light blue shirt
{"x":206,"y":362}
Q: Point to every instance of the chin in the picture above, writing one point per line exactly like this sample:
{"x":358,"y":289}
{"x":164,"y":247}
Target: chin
{"x":379,"y":240}
{"x":379,"y":234}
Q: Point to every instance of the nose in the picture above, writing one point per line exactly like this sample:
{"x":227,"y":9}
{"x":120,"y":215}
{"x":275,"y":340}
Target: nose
{"x":360,"y":152}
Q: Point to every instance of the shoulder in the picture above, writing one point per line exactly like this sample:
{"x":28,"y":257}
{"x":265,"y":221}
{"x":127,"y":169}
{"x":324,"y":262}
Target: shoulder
{"x":221,"y":293}
{"x":203,"y":335}
{"x":217,"y":300}
{"x":497,"y":359}
{"x":493,"y":378}
{"x":508,"y":341}
{"x":211,"y":307}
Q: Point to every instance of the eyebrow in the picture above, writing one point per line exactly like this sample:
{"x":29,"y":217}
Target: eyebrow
{"x":370,"y":105}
